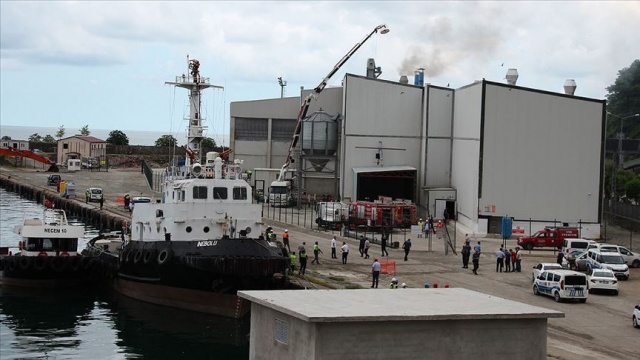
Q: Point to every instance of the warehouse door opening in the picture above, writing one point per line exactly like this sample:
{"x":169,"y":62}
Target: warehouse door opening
{"x":396,"y":183}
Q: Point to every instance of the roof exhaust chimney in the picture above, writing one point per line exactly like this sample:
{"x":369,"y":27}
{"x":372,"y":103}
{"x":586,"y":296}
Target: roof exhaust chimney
{"x":570,"y":86}
{"x":418,"y":77}
{"x":512,"y":76}
{"x":404,"y":79}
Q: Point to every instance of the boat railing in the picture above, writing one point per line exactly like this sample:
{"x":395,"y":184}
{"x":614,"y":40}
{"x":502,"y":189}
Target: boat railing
{"x":188,"y":79}
{"x":55,"y":217}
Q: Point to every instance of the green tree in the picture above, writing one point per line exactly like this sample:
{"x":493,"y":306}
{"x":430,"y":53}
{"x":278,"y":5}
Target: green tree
{"x":622,"y":178}
{"x":61,"y":131}
{"x":623,"y":99}
{"x":84,"y":131}
{"x":166,"y":140}
{"x":48,"y":139}
{"x":35,"y":137}
{"x":117,"y":137}
{"x":6,"y":137}
{"x":208,"y":143}
{"x":632,"y":188}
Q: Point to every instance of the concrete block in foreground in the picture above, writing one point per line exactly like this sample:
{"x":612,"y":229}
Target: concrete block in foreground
{"x":440,"y":323}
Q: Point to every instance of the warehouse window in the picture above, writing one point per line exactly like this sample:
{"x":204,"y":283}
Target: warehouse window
{"x":251,"y":129}
{"x":282,"y":129}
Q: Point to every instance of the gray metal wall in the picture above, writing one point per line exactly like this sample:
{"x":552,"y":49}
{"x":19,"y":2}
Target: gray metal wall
{"x":439,"y":120}
{"x":541,"y":155}
{"x":466,"y":151}
{"x":377,"y":110}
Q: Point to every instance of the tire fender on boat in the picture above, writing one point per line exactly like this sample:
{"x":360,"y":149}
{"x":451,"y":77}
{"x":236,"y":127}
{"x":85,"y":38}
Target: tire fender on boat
{"x":148,"y":256}
{"x":43,"y":253}
{"x":64,"y":253}
{"x":58,"y":264}
{"x":40,"y":263}
{"x":138,"y":256}
{"x":130,"y":256}
{"x":164,"y":257}
{"x":12,"y":264}
{"x":24,"y":262}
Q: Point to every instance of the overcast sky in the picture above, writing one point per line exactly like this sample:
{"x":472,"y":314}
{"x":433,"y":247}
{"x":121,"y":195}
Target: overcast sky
{"x":104,"y":64}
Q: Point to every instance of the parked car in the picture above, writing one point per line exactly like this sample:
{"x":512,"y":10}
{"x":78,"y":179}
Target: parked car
{"x":93,"y":194}
{"x":579,"y":259}
{"x":538,"y":269}
{"x":562,"y":285}
{"x":604,"y":247}
{"x":602,"y":279}
{"x":53,"y":180}
{"x":569,"y":245}
{"x":138,"y":199}
{"x":608,"y":260}
{"x":636,"y":316}
{"x":632,"y":259}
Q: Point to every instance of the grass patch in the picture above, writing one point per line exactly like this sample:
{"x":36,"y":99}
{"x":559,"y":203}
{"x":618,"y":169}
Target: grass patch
{"x":353,"y":286}
{"x":336,"y":278}
{"x":320,"y":282}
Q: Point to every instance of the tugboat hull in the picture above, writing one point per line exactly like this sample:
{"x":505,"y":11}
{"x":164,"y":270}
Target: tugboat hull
{"x":201,"y":276}
{"x":228,"y":305}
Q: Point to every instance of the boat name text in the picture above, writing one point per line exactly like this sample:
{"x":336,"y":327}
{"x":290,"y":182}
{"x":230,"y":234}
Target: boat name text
{"x":55,"y":231}
{"x":207,"y":243}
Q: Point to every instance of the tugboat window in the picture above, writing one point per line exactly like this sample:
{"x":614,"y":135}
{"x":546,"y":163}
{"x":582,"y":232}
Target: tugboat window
{"x":206,"y":229}
{"x":199,"y":192}
{"x":47,"y":244}
{"x":239,"y":193}
{"x":220,"y":193}
{"x":188,"y":229}
{"x":183,"y":197}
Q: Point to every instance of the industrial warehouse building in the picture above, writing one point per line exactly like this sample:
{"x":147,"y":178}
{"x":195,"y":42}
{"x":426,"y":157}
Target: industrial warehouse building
{"x":483,"y":151}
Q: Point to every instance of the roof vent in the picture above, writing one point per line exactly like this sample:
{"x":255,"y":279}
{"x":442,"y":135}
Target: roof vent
{"x":512,"y":76}
{"x":404,"y":79}
{"x":570,"y":86}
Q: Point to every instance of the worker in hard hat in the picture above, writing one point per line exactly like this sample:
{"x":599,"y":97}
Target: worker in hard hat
{"x":285,"y":239}
{"x":394,"y":284}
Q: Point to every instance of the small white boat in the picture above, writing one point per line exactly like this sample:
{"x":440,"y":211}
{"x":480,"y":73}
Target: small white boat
{"x":48,"y":254}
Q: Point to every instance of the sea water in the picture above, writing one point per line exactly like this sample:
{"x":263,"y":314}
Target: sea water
{"x":96,"y":323}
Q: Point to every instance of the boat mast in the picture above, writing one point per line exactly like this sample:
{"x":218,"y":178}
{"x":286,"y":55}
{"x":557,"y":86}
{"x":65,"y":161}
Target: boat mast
{"x":195,"y":84}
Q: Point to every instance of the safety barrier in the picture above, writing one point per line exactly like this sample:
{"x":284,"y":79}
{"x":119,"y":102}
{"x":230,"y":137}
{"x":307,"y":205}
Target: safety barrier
{"x":387,"y":267}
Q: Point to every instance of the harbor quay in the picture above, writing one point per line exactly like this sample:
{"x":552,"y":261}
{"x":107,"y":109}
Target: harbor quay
{"x":427,"y":263}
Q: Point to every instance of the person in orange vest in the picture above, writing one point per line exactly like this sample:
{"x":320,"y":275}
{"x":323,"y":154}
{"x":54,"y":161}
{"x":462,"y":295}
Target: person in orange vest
{"x":285,"y":239}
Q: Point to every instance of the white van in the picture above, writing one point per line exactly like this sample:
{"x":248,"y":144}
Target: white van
{"x":562,"y":285}
{"x":569,"y":245}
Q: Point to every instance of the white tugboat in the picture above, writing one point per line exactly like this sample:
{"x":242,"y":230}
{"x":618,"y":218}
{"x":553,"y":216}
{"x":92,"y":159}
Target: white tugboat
{"x":48,"y":254}
{"x":202,"y":242}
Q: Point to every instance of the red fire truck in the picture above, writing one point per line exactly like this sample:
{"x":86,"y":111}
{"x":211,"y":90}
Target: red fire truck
{"x":374,"y":214}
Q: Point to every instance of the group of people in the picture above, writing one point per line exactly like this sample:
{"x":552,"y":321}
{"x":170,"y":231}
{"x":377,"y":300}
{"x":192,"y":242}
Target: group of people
{"x":427,"y":226}
{"x":302,"y":257}
{"x":507,"y":260}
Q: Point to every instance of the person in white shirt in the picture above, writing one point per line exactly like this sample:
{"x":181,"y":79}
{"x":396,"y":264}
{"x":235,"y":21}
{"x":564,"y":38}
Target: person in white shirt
{"x":375,"y":272}
{"x":345,"y":252}
{"x":333,"y":248}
